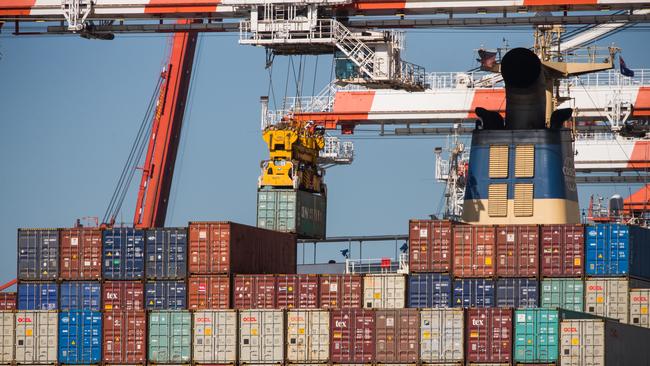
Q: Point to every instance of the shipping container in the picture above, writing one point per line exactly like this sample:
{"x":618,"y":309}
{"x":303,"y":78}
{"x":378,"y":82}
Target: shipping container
{"x":352,"y":336}
{"x":227,"y":247}
{"x":430,"y":245}
{"x":474,"y":251}
{"x":293,"y":211}
{"x":617,"y":250}
{"x":297,"y":291}
{"x":488,"y":335}
{"x":565,"y":293}
{"x":429,"y":290}
{"x":7,"y":340}
{"x":397,"y":336}
{"x":166,"y":254}
{"x":471,"y":293}
{"x":125,"y":337}
{"x":341,"y":291}
{"x":38,"y":254}
{"x":123,"y":295}
{"x":609,"y":297}
{"x":442,"y":335}
{"x":36,"y":337}
{"x":214,"y":337}
{"x":261,"y":337}
{"x":80,"y":296}
{"x":517,"y":251}
{"x":384,"y":291}
{"x":562,"y":250}
{"x":165,"y":295}
{"x":537,"y":335}
{"x":255,"y":292}
{"x":123,"y":254}
{"x":308,"y":336}
{"x":517,"y":292}
{"x":80,"y":337}
{"x":639,"y":305}
{"x":170,"y":336}
{"x":209,"y":292}
{"x":38,"y":296}
{"x":81,"y":254}
{"x":7,"y":301}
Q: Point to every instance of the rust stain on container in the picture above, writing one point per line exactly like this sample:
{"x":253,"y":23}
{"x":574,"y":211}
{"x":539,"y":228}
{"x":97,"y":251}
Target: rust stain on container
{"x":209,"y":292}
{"x":254,"y":292}
{"x":297,"y":291}
{"x":341,"y":291}
{"x":122,"y":295}
{"x":474,"y":251}
{"x":352,"y":336}
{"x":81,"y":254}
{"x":397,"y":336}
{"x":430,"y":247}
{"x":517,"y":251}
{"x":562,"y":250}
{"x":125,"y":337}
{"x":488,"y":335}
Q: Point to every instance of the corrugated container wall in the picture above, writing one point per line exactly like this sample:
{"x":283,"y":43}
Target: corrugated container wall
{"x":429,"y":290}
{"x":616,"y":250}
{"x":7,"y":301}
{"x":517,"y":292}
{"x":165,"y":295}
{"x":125,"y":337}
{"x":474,"y":251}
{"x":170,"y":336}
{"x":537,"y":335}
{"x":474,"y":293}
{"x":397,"y":338}
{"x":261,"y":337}
{"x":293,"y":211}
{"x":488,"y":335}
{"x":166,"y":254}
{"x":80,"y":296}
{"x":430,"y":246}
{"x":123,"y":254}
{"x":517,"y":251}
{"x":81,"y":254}
{"x":123,"y":295}
{"x":384,"y":291}
{"x":227,"y":247}
{"x":214,"y":337}
{"x":7,"y":340}
{"x":442,"y":335}
{"x":80,"y":337}
{"x":566,"y":293}
{"x":36,"y":337}
{"x":38,"y":296}
{"x":255,"y":292}
{"x":609,"y":297}
{"x":38,"y":254}
{"x":352,"y":336}
{"x":297,"y":291}
{"x":308,"y":336}
{"x":341,"y":291}
{"x":209,"y":292}
{"x":562,"y":250}
{"x":639,"y":305}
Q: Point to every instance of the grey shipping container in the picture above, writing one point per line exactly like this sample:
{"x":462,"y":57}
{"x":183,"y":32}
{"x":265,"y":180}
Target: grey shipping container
{"x":441,"y":335}
{"x":170,"y":336}
{"x":36,"y":337}
{"x":215,"y":337}
{"x":308,"y":336}
{"x":7,"y":323}
{"x":384,"y":291}
{"x":261,"y":337}
{"x":639,"y":304}
{"x":294,"y":211}
{"x":38,"y":254}
{"x":609,"y":297}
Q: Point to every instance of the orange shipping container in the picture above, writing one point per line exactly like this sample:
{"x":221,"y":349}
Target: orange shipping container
{"x":298,"y":291}
{"x":430,"y":245}
{"x":209,"y":292}
{"x":80,"y":254}
{"x":474,"y":251}
{"x":254,"y":292}
{"x":122,"y":295}
{"x":517,"y":251}
{"x":341,"y":291}
{"x":124,"y":337}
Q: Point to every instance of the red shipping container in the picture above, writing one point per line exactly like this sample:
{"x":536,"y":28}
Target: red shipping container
{"x":397,"y":336}
{"x":297,"y":291}
{"x":341,"y":291}
{"x":352,"y":336}
{"x":474,"y":251}
{"x":488,"y":335}
{"x":226,"y":247}
{"x":80,"y":254}
{"x":430,"y":245}
{"x":255,"y":292}
{"x":125,"y":334}
{"x":7,"y":301}
{"x":209,"y":292}
{"x":562,"y":248}
{"x":517,"y":250}
{"x":123,"y":295}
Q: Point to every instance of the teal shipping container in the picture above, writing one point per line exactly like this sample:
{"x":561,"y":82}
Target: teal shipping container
{"x":566,"y":293}
{"x":537,"y":335}
{"x":170,"y":336}
{"x":289,"y":210}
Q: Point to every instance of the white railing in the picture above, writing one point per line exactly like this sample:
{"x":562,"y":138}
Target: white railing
{"x":336,"y":151}
{"x":383,"y":265}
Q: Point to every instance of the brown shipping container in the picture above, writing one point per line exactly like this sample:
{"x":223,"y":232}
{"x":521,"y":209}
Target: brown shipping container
{"x":488,"y":335}
{"x":209,"y":292}
{"x":352,"y":336}
{"x":430,"y":245}
{"x":80,"y":254}
{"x":227,"y":247}
{"x":341,"y":291}
{"x":254,"y":292}
{"x":7,"y":301}
{"x":122,"y":295}
{"x":474,"y":251}
{"x":125,"y":334}
{"x":562,"y":250}
{"x":397,"y":336}
{"x":517,"y":251}
{"x":297,"y":291}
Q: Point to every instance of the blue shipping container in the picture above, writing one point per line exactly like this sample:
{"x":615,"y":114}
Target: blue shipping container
{"x":517,"y":292}
{"x":429,"y":290}
{"x":123,"y":254}
{"x":617,"y":250}
{"x":165,"y":295}
{"x":80,"y":296}
{"x":474,"y":293}
{"x":166,"y":253}
{"x":38,"y":296}
{"x":80,"y":337}
{"x":38,"y":254}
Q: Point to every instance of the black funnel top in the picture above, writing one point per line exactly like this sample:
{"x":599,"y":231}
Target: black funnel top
{"x":523,"y":74}
{"x":520,"y":68}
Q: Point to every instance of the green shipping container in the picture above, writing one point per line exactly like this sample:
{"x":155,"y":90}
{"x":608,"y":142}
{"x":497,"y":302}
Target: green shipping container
{"x":536,"y":335}
{"x":289,"y":210}
{"x":566,"y":293}
{"x":170,"y":336}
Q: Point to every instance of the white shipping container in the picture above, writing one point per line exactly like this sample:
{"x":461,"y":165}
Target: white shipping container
{"x":608,"y":297}
{"x":386,"y":291}
{"x":36,"y":337}
{"x":639,"y":305}
{"x":441,"y":335}
{"x":214,"y":336}
{"x":261,"y":337}
{"x":7,"y":322}
{"x":308,"y":336}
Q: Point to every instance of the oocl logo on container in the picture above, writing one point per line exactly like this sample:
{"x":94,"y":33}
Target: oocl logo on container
{"x":569,"y":330}
{"x":24,"y":320}
{"x":249,"y":319}
{"x":639,"y":298}
{"x":595,"y":288}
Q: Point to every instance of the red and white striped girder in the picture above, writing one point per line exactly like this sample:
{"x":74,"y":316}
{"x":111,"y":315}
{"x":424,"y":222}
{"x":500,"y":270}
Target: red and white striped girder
{"x":608,"y":153}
